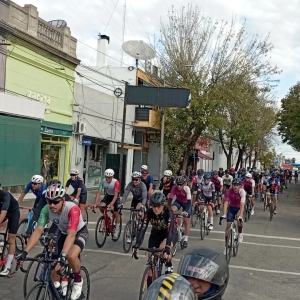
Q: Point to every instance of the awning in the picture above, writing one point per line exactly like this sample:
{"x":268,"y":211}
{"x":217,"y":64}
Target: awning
{"x":203,"y":156}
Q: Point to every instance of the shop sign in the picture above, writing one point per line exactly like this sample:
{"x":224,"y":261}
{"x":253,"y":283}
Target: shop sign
{"x":86,"y":142}
{"x":53,"y":131}
{"x":39,"y":97}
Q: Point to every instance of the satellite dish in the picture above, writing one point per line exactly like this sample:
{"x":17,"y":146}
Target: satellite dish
{"x":138,"y":50}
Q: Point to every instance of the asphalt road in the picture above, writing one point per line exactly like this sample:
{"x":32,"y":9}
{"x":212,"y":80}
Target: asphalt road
{"x":266,"y":268}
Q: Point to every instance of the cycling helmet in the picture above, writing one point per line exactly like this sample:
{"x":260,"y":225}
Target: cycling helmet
{"x":220,"y":169}
{"x":168,"y":173}
{"x":226,"y":171}
{"x":37,"y":179}
{"x":157,"y":198}
{"x":144,"y":167}
{"x":273,"y":175}
{"x":182,"y":171}
{"x":53,"y":181}
{"x":74,"y":172}
{"x":173,"y":285}
{"x":248,"y":175}
{"x":55,"y":191}
{"x":236,"y":181}
{"x":180,"y":180}
{"x":267,"y":173}
{"x":109,"y":173}
{"x":207,"y":177}
{"x":209,"y":265}
{"x":215,"y":172}
{"x":136,"y":174}
{"x":200,"y":172}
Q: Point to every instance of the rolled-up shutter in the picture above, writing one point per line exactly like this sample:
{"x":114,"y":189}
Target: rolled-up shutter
{"x":20,"y":150}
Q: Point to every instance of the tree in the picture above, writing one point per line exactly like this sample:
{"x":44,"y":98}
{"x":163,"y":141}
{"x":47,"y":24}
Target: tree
{"x":289,"y":117}
{"x":267,"y":158}
{"x":200,"y":54}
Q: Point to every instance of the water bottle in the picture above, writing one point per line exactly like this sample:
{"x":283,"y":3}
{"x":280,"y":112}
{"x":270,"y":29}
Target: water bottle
{"x":1,"y":246}
{"x":58,"y":288}
{"x":29,"y":216}
{"x":158,"y":270}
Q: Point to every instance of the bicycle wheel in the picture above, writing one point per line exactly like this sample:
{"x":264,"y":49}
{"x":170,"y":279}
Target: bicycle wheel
{"x":206,"y":224}
{"x":202,"y":227}
{"x":101,"y":232}
{"x":271,"y":209}
{"x":194,"y":216}
{"x":23,"y":225}
{"x":229,"y":246}
{"x":39,"y":292}
{"x":86,"y":216}
{"x":34,"y":271}
{"x":246,"y":212}
{"x":235,"y":247}
{"x":120,"y":230}
{"x":144,"y":283}
{"x":86,"y":288}
{"x":128,"y":236}
{"x":19,"y":244}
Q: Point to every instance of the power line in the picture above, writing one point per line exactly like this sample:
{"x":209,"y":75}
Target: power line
{"x":111,"y":16}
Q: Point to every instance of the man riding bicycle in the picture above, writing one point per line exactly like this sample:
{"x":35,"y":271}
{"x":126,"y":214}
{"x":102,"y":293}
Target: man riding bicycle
{"x":72,"y":233}
{"x":9,"y":209}
{"x":167,"y":182}
{"x":218,"y":182}
{"x":273,"y":184}
{"x":111,"y":187}
{"x":234,"y":208}
{"x":227,"y":180}
{"x":197,"y":181}
{"x":248,"y":185}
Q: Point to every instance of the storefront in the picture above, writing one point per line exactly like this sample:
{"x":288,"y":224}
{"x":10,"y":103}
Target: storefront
{"x":55,"y":150}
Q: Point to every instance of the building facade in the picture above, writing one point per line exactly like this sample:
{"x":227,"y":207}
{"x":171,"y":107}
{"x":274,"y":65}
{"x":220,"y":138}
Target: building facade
{"x":40,"y":66}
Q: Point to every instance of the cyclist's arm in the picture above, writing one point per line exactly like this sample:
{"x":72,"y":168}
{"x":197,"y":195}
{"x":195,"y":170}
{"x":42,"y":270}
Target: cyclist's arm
{"x":189,"y":198}
{"x":74,"y":218}
{"x":253,"y":186}
{"x":100,"y":188}
{"x":143,"y":229}
{"x":213,"y":192}
{"x":144,"y":194}
{"x":226,"y":202}
{"x":161,"y":184}
{"x":26,"y":190}
{"x":5,"y":206}
{"x":42,"y":221}
{"x":79,"y":189}
{"x":126,"y":192}
{"x":221,"y":184}
{"x":171,"y":227}
{"x":171,"y":196}
{"x":67,"y":185}
{"x":42,"y":202}
{"x":151,"y":185}
{"x":116,"y":193}
{"x":243,"y":200}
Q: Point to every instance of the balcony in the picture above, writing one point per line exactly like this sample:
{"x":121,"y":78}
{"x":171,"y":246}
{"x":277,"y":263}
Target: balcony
{"x":147,"y":118}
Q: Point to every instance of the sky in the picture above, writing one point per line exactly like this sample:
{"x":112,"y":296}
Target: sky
{"x":87,"y":18}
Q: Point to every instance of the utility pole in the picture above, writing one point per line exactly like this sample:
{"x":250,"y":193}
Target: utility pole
{"x":162,"y":134}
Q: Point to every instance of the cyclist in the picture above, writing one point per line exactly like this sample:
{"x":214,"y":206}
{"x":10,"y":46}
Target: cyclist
{"x":72,"y":235}
{"x":9,"y":209}
{"x":264,"y":181}
{"x":218,"y":182}
{"x":148,"y":181}
{"x":208,"y":272}
{"x":37,"y":187}
{"x":273,"y":184}
{"x":166,"y":183}
{"x":221,"y":172}
{"x":296,"y":176}
{"x":111,"y":187}
{"x":227,"y":180}
{"x":173,"y":285}
{"x":182,"y":173}
{"x":183,"y":200}
{"x":248,"y":185}
{"x":162,"y":235}
{"x":207,"y":195}
{"x":282,"y":179}
{"x":232,"y":172}
{"x":234,"y":208}
{"x":80,"y":191}
{"x":197,"y":180}
{"x":138,"y":190}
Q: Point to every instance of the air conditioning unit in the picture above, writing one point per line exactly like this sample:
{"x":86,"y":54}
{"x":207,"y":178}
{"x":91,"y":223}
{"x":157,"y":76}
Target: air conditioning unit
{"x":81,"y":127}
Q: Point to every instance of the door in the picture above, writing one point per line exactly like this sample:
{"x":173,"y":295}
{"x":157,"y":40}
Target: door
{"x":113,"y":162}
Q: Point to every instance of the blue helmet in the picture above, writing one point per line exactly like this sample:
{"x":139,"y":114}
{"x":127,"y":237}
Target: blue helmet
{"x":236,"y":181}
{"x":206,"y":177}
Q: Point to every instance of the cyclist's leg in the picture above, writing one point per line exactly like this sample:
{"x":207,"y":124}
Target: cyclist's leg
{"x":36,"y":214}
{"x":230,"y":218}
{"x":104,"y":203}
{"x":268,"y":197}
{"x":168,"y":264}
{"x":276,"y":201}
{"x":187,"y":224}
{"x":82,"y":202}
{"x":219,"y":198}
{"x":153,"y":242}
{"x":210,"y":206}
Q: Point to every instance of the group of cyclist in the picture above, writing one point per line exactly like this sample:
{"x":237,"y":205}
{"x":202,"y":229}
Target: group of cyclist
{"x":157,"y":208}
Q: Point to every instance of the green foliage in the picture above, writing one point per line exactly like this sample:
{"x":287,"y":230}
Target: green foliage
{"x":267,"y":158}
{"x":289,"y":117}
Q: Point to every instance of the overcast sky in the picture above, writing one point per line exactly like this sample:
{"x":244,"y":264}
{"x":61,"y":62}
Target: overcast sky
{"x":87,"y":18}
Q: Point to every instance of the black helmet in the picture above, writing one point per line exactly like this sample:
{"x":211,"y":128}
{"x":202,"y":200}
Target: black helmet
{"x":226,"y":171}
{"x":273,"y":175}
{"x":215,"y":172}
{"x":206,"y":177}
{"x":180,"y":180}
{"x":236,"y":181}
{"x":200,"y":172}
{"x":220,"y":169}
{"x":209,"y":265}
{"x":53,"y":181}
{"x":157,"y":198}
{"x":173,"y":285}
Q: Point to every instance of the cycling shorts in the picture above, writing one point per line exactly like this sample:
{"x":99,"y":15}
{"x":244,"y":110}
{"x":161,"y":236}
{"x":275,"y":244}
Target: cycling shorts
{"x":108,"y":199}
{"x":82,"y":198}
{"x":13,"y":221}
{"x":183,"y":206}
{"x":269,"y":192}
{"x":231,"y":213}
{"x":207,"y":200}
{"x":248,"y":192}
{"x":135,"y":202}
{"x":155,"y":240}
{"x":218,"y":191}
{"x":80,"y":239}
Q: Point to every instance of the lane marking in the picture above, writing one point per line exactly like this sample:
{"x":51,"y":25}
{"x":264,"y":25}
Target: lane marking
{"x":176,"y":259}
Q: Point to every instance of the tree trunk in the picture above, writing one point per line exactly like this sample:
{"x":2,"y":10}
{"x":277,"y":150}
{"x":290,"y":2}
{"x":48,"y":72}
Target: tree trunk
{"x":255,"y":159}
{"x":230,"y":150}
{"x":240,"y":159}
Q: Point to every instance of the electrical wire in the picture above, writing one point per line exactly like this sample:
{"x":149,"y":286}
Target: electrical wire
{"x":111,"y":15}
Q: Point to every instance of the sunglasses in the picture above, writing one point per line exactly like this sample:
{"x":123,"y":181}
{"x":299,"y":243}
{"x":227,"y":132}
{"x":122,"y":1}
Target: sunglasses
{"x":167,"y":177}
{"x":34,"y":183}
{"x":73,"y":174}
{"x":156,"y":205}
{"x":135,"y":179}
{"x":179,"y":184}
{"x":53,"y":202}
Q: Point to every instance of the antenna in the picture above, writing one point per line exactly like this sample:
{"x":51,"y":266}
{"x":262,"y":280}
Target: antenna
{"x":138,"y":50}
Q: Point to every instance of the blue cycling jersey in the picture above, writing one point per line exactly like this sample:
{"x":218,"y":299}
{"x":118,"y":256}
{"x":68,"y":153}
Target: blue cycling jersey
{"x":37,"y":193}
{"x":76,"y":184}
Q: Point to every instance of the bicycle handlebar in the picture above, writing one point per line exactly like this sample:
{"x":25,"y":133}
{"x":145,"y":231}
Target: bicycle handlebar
{"x":26,"y":207}
{"x":152,"y":250}
{"x":131,"y":209}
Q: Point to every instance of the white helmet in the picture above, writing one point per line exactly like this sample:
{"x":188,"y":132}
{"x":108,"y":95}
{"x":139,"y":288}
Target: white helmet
{"x":55,"y":191}
{"x":248,"y":175}
{"x":136,"y":174}
{"x":168,"y":173}
{"x":37,"y":179}
{"x":109,"y":173}
{"x":144,"y":167}
{"x":74,"y":172}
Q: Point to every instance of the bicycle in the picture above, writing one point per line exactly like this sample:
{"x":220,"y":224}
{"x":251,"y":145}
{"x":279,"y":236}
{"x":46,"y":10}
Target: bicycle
{"x":180,"y":232}
{"x":4,"y":251}
{"x":248,"y":208}
{"x":131,"y":228}
{"x":153,"y":268}
{"x":271,"y":205}
{"x":106,"y":226}
{"x":232,"y":246}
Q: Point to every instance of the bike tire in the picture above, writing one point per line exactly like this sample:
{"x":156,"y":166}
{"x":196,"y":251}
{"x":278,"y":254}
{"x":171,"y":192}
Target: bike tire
{"x":235,"y":248}
{"x":86,"y":288}
{"x":143,"y":286}
{"x":23,"y":225}
{"x":202,"y":227}
{"x":245,"y":213}
{"x":271,"y":210}
{"x":19,"y":244}
{"x":229,"y":246}
{"x":104,"y":230}
{"x":120,"y":231}
{"x":47,"y":295}
{"x":194,"y":217}
{"x":129,"y":228}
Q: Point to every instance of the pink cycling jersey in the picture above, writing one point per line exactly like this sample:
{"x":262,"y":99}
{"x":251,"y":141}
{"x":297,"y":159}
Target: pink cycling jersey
{"x":234,"y":199}
{"x":182,"y":195}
